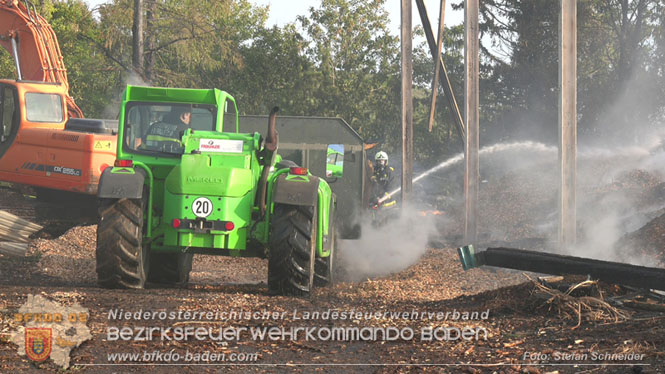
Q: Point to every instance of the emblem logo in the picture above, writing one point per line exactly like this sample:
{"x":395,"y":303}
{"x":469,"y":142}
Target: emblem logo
{"x":49,"y":330}
{"x":38,"y":343}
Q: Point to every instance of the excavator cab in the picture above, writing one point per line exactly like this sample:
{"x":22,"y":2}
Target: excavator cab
{"x":41,"y":146}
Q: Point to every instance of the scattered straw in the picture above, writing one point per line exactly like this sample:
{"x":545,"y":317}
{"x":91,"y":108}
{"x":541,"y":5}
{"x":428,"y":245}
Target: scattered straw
{"x":582,"y":307}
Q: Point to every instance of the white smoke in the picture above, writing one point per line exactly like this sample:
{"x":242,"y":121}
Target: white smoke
{"x":518,"y":197}
{"x":387,"y":249}
{"x":624,"y":203}
{"x":135,"y":80}
{"x":111,"y":110}
{"x":536,"y":148}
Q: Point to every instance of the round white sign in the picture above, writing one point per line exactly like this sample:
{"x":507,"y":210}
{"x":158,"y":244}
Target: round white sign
{"x":202,"y":207}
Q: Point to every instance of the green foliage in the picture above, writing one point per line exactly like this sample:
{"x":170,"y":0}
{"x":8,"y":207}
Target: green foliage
{"x":7,"y":69}
{"x":93,"y":79}
{"x":191,"y":40}
{"x":618,"y":80}
{"x":444,"y":140}
{"x":341,"y":60}
{"x":273,"y":70}
{"x":357,"y":59}
{"x":622,"y":91}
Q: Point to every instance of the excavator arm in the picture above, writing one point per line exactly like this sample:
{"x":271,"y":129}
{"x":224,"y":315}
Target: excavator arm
{"x":32,"y":43}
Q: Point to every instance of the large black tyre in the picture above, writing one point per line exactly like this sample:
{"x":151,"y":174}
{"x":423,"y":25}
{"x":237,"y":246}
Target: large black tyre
{"x":292,"y":250}
{"x":122,"y":260}
{"x":170,"y":268}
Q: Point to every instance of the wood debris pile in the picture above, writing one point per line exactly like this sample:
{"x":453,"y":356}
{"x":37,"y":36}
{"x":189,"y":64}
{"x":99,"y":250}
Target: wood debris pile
{"x":70,"y":257}
{"x":648,"y":241}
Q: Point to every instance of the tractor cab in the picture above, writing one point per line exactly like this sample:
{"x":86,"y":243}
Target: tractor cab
{"x":154,"y":128}
{"x":186,"y":181}
{"x":203,"y":178}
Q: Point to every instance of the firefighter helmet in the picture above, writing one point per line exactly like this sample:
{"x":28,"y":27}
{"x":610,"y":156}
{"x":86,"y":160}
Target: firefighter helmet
{"x":381,"y":156}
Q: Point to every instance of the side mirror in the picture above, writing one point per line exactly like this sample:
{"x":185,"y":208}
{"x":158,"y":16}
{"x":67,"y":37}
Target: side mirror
{"x":335,"y":161}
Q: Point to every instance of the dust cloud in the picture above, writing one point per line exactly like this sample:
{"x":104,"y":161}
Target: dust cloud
{"x":111,"y":111}
{"x":389,"y":248}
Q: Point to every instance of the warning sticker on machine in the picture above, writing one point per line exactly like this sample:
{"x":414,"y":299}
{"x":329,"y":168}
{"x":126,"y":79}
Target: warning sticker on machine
{"x":220,"y":145}
{"x":103,"y":145}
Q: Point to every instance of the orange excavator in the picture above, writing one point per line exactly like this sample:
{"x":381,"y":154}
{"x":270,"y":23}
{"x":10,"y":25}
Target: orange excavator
{"x":44,"y":140}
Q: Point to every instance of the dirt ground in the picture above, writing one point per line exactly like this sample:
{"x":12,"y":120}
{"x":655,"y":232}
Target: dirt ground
{"x":525,"y":328}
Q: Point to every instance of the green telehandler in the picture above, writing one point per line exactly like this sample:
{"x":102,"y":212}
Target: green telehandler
{"x":209,"y":189}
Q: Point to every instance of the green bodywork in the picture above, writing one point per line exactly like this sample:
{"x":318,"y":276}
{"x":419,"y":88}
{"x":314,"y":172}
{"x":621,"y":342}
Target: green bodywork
{"x":223,"y":167}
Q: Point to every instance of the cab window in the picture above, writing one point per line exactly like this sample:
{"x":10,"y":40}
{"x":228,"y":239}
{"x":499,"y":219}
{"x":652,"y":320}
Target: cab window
{"x":42,"y":107}
{"x":158,"y":127}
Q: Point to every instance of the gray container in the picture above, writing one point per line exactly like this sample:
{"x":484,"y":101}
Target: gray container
{"x":305,"y":141}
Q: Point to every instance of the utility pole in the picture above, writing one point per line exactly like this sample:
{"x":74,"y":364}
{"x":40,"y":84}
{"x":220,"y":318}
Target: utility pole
{"x":150,"y":41}
{"x":407,"y":101}
{"x":444,"y":79}
{"x":567,"y":122}
{"x":471,"y":113}
{"x":137,"y":38}
{"x":435,"y":81}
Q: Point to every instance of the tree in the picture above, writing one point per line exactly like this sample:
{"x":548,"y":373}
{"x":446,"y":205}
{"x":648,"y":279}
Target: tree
{"x":444,"y":140}
{"x":189,"y":40}
{"x":614,"y":69}
{"x":359,"y":71}
{"x":274,"y":70}
{"x":138,"y":38}
{"x":93,"y":79}
{"x":622,"y":103}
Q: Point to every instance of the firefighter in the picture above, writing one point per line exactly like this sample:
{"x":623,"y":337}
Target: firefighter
{"x":382,"y":180}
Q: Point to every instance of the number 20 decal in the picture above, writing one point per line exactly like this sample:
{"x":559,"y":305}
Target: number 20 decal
{"x":202,"y":207}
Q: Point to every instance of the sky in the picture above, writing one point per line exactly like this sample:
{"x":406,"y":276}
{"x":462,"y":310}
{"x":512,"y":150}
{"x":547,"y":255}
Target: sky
{"x":285,"y":11}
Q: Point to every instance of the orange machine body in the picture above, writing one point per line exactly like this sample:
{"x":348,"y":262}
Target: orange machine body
{"x":46,"y":154}
{"x":39,"y":143}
